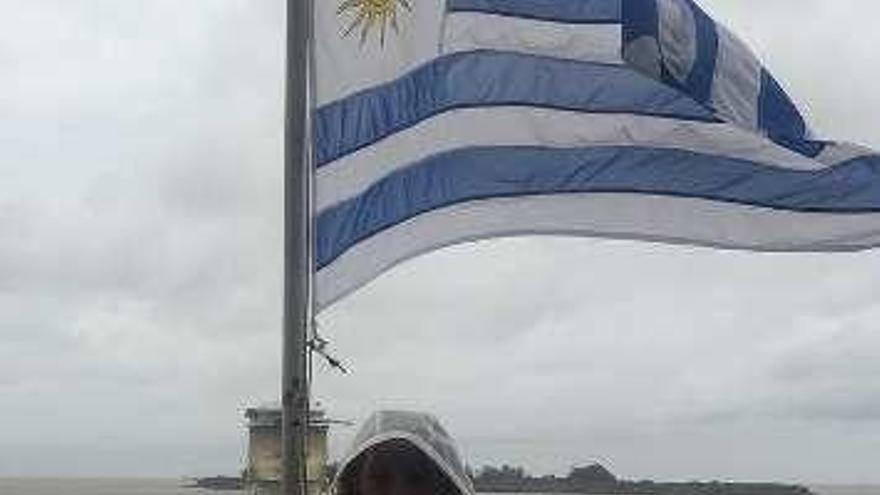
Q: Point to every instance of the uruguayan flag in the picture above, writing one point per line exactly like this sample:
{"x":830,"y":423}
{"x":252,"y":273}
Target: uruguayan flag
{"x":443,"y":121}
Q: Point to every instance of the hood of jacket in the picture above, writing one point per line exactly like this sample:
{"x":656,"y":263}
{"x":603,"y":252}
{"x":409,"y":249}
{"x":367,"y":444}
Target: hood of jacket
{"x":422,"y":430}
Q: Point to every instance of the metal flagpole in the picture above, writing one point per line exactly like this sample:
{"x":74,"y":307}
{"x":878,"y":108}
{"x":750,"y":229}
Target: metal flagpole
{"x":297,"y":266}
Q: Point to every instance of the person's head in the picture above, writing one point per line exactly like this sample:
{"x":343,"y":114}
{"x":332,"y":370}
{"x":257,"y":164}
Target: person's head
{"x":396,"y":467}
{"x":402,"y":453}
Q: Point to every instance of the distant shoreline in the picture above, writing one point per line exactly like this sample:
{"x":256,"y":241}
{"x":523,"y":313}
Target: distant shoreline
{"x":595,"y":479}
{"x":654,"y":488}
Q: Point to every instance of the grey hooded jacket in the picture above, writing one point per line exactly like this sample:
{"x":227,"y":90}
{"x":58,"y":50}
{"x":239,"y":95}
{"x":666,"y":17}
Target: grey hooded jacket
{"x":419,"y":429}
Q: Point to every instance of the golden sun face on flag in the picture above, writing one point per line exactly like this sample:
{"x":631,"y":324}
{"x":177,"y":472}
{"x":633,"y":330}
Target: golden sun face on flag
{"x":372,"y":15}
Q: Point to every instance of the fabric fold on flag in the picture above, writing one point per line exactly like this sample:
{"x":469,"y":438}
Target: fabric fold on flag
{"x":446,"y":122}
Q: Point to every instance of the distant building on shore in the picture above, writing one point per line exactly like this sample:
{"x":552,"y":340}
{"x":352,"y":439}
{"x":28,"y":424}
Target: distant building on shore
{"x":262,"y":474}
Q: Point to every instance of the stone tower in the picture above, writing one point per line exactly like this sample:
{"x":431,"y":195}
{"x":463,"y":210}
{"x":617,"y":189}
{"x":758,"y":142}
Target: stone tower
{"x":262,"y":474}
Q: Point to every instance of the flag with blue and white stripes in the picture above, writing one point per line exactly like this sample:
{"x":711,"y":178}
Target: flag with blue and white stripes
{"x":443,"y":121}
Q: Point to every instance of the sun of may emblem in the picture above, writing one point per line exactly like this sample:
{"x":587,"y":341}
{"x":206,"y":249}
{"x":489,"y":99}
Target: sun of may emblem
{"x":372,"y":15}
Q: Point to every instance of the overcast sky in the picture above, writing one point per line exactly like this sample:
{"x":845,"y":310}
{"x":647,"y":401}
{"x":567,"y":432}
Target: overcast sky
{"x":140,"y":277}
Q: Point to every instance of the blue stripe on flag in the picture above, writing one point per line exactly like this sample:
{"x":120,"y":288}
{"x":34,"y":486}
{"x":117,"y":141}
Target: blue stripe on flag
{"x":491,"y":172}
{"x":492,"y":79}
{"x":640,"y":19}
{"x":699,"y":82}
{"x":568,"y":11}
{"x":781,"y":120}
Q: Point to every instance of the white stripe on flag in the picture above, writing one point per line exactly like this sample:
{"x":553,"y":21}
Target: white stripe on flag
{"x":678,"y":37}
{"x":469,"y":31}
{"x":523,"y":126}
{"x":737,"y":83}
{"x":837,"y":153}
{"x":674,"y":220}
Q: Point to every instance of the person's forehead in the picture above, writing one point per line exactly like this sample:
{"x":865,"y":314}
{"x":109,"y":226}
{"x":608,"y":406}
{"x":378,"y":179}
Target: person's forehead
{"x":396,"y":452}
{"x":396,"y":446}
